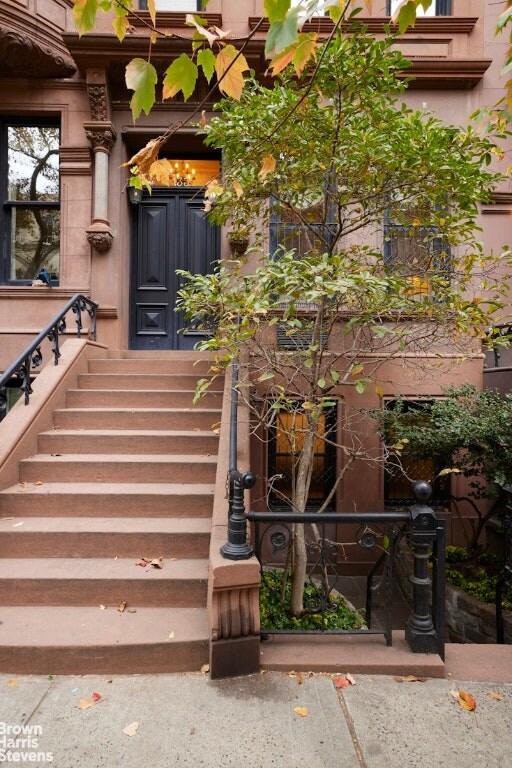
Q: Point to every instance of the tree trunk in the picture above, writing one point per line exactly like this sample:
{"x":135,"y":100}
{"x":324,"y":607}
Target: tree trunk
{"x":300,"y":496}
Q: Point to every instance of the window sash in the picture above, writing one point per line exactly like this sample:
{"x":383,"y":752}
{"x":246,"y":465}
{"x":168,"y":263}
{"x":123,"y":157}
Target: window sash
{"x":438,"y":8}
{"x":30,"y":214}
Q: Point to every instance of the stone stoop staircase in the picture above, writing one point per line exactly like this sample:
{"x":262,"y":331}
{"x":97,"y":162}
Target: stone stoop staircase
{"x":126,"y":473}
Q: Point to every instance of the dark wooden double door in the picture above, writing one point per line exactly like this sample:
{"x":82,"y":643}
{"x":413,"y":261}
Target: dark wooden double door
{"x":170,"y":232}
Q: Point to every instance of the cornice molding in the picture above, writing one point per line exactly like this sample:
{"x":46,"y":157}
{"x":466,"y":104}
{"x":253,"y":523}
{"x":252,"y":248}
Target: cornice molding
{"x":172,"y":20}
{"x":75,"y":161}
{"x":502,"y":198}
{"x":35,"y":292}
{"x":448,"y":25}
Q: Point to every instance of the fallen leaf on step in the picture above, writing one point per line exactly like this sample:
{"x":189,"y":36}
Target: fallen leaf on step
{"x":172,"y":635}
{"x":96,"y":696}
{"x":411,"y":679}
{"x":17,"y":525}
{"x":103,"y":607}
{"x":122,"y":606}
{"x":56,"y":454}
{"x":350,"y":679}
{"x":142,"y":562}
{"x":301,"y":711}
{"x":6,"y":518}
{"x":131,"y":729}
{"x":38,"y":482}
{"x":465,"y":699}
{"x":340,"y":681}
{"x":157,"y":562}
{"x":495,"y":695}
{"x":205,"y":669}
{"x":12,"y":683}
{"x":132,"y":610}
{"x":86,"y":703}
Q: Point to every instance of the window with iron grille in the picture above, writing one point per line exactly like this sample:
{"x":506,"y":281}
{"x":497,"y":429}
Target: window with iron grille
{"x":285,"y":443}
{"x":30,"y":190}
{"x":437,"y":8}
{"x":303,"y":229}
{"x":418,"y":252}
{"x":398,"y":479}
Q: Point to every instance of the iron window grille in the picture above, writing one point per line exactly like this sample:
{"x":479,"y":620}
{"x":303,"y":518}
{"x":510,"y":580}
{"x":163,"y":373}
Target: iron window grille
{"x":397,"y":481}
{"x":285,"y":441}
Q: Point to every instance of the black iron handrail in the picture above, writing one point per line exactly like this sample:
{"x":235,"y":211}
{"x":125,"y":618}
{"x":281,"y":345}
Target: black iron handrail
{"x":237,"y":546}
{"x":32,"y":357}
{"x":503,"y":331}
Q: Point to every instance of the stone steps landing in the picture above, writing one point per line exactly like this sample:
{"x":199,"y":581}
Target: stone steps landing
{"x":127,"y":472}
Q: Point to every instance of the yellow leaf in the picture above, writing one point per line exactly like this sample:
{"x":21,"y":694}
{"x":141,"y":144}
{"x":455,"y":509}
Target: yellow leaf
{"x":466,"y":701}
{"x":301,"y":711}
{"x":495,"y":695}
{"x":305,"y":50}
{"x":122,"y":607}
{"x":152,"y":10}
{"x":144,"y":157}
{"x":161,"y":172}
{"x":229,"y":67}
{"x":239,"y":190}
{"x":269,"y":164}
{"x":282,"y":60}
{"x":205,"y":669}
{"x":86,"y":703}
{"x":13,"y":683}
{"x":379,"y":391}
{"x":203,"y":31}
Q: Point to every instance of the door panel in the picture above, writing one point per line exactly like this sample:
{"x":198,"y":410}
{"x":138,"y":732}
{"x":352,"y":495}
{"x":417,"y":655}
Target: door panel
{"x":170,"y":232}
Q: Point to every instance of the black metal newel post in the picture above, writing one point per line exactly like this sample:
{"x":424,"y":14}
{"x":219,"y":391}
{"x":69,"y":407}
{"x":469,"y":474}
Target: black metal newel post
{"x":236,"y":547}
{"x":420,"y":631}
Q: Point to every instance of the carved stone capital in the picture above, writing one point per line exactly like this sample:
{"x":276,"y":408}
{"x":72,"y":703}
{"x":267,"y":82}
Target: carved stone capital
{"x":100,"y":236}
{"x":98,"y":101}
{"x":101,"y":135}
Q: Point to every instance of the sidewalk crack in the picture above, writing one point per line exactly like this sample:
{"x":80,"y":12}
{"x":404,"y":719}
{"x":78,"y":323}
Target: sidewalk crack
{"x":352,"y":730}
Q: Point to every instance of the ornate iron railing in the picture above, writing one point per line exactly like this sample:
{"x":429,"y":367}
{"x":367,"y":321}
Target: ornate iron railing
{"x":377,"y":532}
{"x":498,"y":337}
{"x":505,"y":582}
{"x":32,"y":356}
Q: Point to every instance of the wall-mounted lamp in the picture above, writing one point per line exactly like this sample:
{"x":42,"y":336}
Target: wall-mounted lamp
{"x":134,"y":195}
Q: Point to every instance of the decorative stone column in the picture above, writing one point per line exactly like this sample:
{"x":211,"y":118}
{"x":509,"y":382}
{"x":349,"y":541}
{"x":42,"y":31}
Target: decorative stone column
{"x":101,"y":135}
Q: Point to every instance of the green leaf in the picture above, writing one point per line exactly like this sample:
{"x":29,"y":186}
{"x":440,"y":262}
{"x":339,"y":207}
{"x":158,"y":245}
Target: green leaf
{"x":206,"y":60}
{"x":266,"y":376}
{"x":84,"y":14}
{"x":180,"y":76}
{"x":141,"y":78}
{"x":504,"y":19}
{"x":282,"y":34}
{"x":407,"y":17}
{"x":360,"y":387}
{"x":120,"y":25}
{"x":276,"y":10}
{"x":321,"y":383}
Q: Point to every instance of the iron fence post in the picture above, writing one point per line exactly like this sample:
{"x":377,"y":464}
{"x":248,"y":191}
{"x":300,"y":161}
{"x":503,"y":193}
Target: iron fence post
{"x":420,"y":631}
{"x":237,"y":547}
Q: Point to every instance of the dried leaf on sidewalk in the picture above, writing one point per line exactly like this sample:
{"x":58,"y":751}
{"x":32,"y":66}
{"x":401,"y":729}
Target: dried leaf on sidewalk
{"x":12,"y":683}
{"x":411,"y":679}
{"x":157,"y":562}
{"x":340,"y":681}
{"x":122,"y":606}
{"x":131,"y":729}
{"x":96,"y":696}
{"x":495,"y":695}
{"x":465,"y":700}
{"x":205,"y":669}
{"x":91,"y":702}
{"x":171,"y":636}
{"x":301,"y":711}
{"x":103,"y":607}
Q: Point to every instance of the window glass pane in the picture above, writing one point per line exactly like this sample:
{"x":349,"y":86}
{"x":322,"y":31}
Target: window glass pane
{"x":35,"y":235}
{"x":33,"y":162}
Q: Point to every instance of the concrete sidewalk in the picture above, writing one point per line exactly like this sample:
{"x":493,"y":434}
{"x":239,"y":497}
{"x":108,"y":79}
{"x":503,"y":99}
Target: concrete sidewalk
{"x":188,"y":720}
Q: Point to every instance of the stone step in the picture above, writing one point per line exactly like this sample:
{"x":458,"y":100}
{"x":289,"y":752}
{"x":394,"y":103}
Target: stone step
{"x":137,"y":418}
{"x":101,"y":468}
{"x":166,"y":364}
{"x":142,"y":381}
{"x":100,"y":537}
{"x":87,"y":640}
{"x":128,"y":441}
{"x":91,"y":398}
{"x":153,"y":500}
{"x":102,"y":581}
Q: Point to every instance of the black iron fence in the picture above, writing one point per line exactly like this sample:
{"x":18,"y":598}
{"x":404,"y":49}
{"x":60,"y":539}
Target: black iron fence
{"x":20,"y":373}
{"x":505,"y":582}
{"x":376,"y":534}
